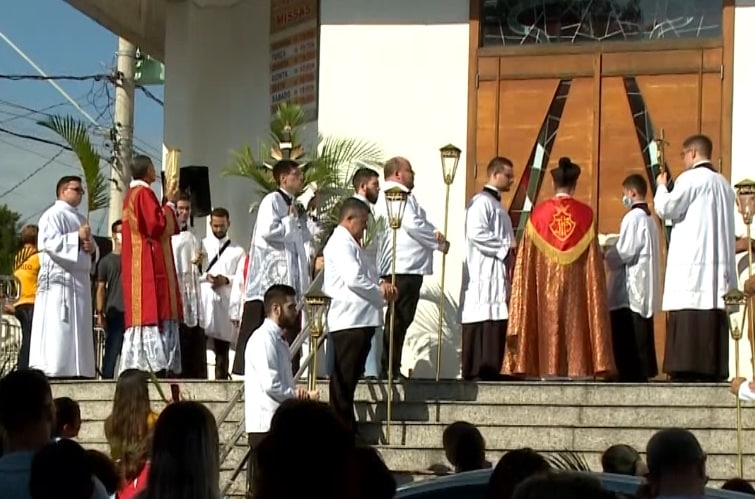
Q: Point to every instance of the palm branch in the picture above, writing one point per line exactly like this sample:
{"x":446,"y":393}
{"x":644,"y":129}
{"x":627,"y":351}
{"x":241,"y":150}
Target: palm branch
{"x":75,"y":133}
{"x":568,"y":461}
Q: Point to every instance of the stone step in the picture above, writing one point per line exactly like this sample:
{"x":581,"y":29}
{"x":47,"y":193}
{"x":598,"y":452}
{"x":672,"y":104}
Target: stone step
{"x":658,"y":394}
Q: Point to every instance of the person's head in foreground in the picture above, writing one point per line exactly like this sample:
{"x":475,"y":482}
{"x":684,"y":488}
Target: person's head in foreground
{"x":623,"y":459}
{"x":464,"y":446}
{"x":513,"y":468}
{"x":185,"y":461}
{"x":61,"y":469}
{"x":67,"y":418}
{"x":738,"y":485}
{"x":565,"y":176}
{"x":676,"y":464}
{"x":27,"y":412}
{"x":280,"y":305}
{"x":563,"y":485}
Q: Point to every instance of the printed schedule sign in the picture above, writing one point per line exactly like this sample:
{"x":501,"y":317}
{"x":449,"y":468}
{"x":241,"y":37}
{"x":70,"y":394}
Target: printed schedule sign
{"x":294,"y":27}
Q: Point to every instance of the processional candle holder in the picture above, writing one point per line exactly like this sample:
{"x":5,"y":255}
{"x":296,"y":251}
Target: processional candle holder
{"x":317,"y":304}
{"x":10,"y":341}
{"x":746,"y":206}
{"x":449,"y":160}
{"x":395,"y":201}
{"x":734,"y":300}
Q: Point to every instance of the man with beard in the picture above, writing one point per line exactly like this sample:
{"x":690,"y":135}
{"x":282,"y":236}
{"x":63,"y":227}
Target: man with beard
{"x":486,"y":276}
{"x":216,"y":285}
{"x":268,"y":378}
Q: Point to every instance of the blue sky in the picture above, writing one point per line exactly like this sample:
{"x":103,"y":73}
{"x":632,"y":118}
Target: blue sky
{"x":62,"y":41}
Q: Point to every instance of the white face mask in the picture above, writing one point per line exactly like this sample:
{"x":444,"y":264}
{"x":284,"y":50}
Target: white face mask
{"x":119,"y":238}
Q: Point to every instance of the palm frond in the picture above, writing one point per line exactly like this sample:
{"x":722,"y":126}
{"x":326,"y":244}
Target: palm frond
{"x":74,"y":132}
{"x":287,"y":113}
{"x":244,"y":164}
{"x":568,"y":461}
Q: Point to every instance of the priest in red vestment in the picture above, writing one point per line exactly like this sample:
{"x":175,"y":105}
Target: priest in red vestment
{"x":558,"y":317}
{"x":150,"y":288}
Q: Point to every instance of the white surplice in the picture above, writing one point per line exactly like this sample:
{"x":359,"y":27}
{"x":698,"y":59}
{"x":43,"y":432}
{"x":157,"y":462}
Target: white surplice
{"x":186,"y":249}
{"x":489,"y":236}
{"x":634,"y":264}
{"x":415,"y":240}
{"x":62,"y":338}
{"x":268,"y":380}
{"x":236,"y":304}
{"x":351,"y":280}
{"x":700,"y":267}
{"x":216,"y":315}
{"x":277,"y":253}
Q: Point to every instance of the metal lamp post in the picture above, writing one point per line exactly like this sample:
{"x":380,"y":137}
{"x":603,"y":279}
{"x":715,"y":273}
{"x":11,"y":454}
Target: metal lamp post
{"x":317,"y":304}
{"x":734,"y":301}
{"x":746,"y":205}
{"x":449,"y":159}
{"x":395,"y":203}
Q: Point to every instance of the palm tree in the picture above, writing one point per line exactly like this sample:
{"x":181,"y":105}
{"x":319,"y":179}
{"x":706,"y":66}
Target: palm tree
{"x":75,"y":133}
{"x":327,"y":169}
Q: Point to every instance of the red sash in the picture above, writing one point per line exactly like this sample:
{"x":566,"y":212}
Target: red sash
{"x":561,"y":228}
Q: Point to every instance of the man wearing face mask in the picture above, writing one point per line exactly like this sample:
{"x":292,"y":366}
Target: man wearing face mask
{"x":634,"y":286}
{"x":150,"y":289}
{"x":109,"y":302}
{"x":216,"y":285}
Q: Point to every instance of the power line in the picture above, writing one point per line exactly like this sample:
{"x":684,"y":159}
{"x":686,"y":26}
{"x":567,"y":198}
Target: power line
{"x":36,"y":139}
{"x":150,"y":94}
{"x":29,"y":176}
{"x":22,"y":77}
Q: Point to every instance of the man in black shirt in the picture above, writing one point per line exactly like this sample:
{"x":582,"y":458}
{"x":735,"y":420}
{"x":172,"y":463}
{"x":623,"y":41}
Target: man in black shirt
{"x":109,"y":303}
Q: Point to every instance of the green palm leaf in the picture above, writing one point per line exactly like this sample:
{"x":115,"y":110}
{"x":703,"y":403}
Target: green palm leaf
{"x":568,"y":461}
{"x":75,"y":133}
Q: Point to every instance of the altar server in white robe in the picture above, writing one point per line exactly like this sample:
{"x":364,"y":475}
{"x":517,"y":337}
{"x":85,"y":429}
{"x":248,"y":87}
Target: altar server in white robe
{"x":62,"y":343}
{"x":486,"y":284}
{"x":188,"y":256}
{"x":634,"y":286}
{"x":366,"y":183}
{"x":416,"y":241}
{"x":356,"y":307}
{"x":700,"y":267}
{"x":216,"y":285}
{"x":277,"y":254}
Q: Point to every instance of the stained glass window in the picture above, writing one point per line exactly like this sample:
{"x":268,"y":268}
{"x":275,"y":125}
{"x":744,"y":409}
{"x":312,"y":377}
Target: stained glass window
{"x":524,"y":22}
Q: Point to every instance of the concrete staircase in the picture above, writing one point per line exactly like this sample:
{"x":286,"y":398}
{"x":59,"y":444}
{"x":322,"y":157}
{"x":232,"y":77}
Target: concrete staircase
{"x":549,"y":417}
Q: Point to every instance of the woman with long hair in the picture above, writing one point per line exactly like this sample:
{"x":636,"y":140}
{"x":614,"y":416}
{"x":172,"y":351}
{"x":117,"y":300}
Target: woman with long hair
{"x":128,"y":430}
{"x":185,"y":461}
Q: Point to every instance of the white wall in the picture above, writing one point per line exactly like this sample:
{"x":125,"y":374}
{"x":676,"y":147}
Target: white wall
{"x":395,"y":72}
{"x":742,"y":165}
{"x":217,"y":94}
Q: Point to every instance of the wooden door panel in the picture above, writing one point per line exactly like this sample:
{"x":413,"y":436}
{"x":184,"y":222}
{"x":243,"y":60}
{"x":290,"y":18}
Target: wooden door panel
{"x":574,"y":139}
{"x":487,"y":127}
{"x":523,"y":111}
{"x":620,"y":152}
{"x":710,"y":111}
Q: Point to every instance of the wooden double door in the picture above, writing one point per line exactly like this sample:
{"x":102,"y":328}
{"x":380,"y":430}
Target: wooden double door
{"x":601,"y":109}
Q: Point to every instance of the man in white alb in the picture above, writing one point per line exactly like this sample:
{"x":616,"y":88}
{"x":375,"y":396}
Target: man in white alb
{"x":486,"y":280}
{"x":277,"y":254}
{"x":634,"y":286}
{"x":700,"y":267}
{"x":416,"y":241}
{"x":62,"y":343}
{"x":356,"y":308}
{"x":268,"y":378}
{"x":187,"y":254}
{"x":216,"y":285}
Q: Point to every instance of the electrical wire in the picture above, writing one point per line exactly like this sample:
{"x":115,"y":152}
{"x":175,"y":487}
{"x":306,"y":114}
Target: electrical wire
{"x":29,"y":176}
{"x":22,"y":77}
{"x":149,"y":94}
{"x":36,"y":139}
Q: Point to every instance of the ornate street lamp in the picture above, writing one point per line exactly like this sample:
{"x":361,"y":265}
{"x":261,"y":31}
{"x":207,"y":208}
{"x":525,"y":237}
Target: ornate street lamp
{"x":317,"y":304}
{"x":734,"y":300}
{"x":395,"y":203}
{"x":746,"y":205}
{"x":449,"y":160}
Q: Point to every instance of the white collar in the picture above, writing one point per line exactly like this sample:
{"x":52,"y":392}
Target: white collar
{"x":562,"y":195}
{"x":362,"y":198}
{"x":492,"y":188}
{"x":65,"y":206}
{"x":293,"y":197}
{"x":274,"y":328}
{"x":219,"y":242}
{"x":136,"y":183}
{"x":390,"y":184}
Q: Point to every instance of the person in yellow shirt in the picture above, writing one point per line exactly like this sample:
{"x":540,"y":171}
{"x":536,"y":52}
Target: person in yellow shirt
{"x":26,"y":269}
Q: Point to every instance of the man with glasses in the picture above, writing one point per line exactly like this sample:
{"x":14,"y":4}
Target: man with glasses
{"x":700,"y":267}
{"x":62,"y":344}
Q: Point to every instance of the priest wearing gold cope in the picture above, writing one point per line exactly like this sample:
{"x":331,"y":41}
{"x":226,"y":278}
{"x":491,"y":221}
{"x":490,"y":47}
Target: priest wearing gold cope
{"x":558,"y":318}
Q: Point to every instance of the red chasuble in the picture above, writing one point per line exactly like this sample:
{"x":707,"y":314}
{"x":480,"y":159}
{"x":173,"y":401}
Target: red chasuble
{"x":558,"y":316}
{"x":150,"y":287}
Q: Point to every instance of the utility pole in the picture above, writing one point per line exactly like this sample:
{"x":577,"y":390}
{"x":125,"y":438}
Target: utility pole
{"x":120,"y":168}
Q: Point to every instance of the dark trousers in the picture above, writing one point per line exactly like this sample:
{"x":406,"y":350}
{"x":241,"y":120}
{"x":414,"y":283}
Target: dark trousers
{"x":193,"y":352}
{"x":408,"y":287}
{"x":351,"y":348}
{"x":252,"y":318}
{"x":221,"y":349}
{"x":24,"y":314}
{"x":254,"y":440}
{"x":115,"y":325}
